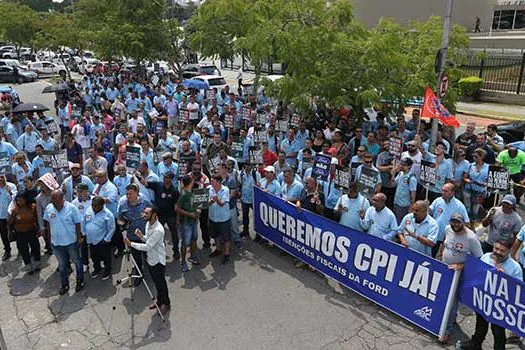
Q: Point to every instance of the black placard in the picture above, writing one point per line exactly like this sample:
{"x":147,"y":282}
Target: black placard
{"x":321,"y":169}
{"x":367,"y":181}
{"x":132,"y":157}
{"x":427,"y":175}
{"x":498,"y":179}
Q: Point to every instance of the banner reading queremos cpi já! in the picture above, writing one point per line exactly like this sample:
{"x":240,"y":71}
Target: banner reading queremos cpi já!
{"x":496,"y":296}
{"x":411,"y":285}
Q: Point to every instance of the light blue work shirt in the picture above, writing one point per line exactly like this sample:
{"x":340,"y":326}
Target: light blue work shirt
{"x":247,"y":183}
{"x":38,"y":164}
{"x":112,"y":94}
{"x":405,"y":184}
{"x":459,"y":169}
{"x":62,"y":224}
{"x":509,"y":266}
{"x":382,"y":224}
{"x":350,"y":213}
{"x":6,"y":198}
{"x":27,"y":142}
{"x":67,"y":186}
{"x":301,"y":137}
{"x":479,"y":177}
{"x":292,"y":191}
{"x":442,"y":211}
{"x":331,"y":194}
{"x":108,"y":190}
{"x":173,"y":168}
{"x":7,"y":148}
{"x":521,"y":236}
{"x":145,"y":192}
{"x":121,"y":182}
{"x":49,"y":144}
{"x":216,"y":213}
{"x":427,"y":228}
{"x":444,"y":172}
{"x":132,"y":104}
{"x":288,"y":146}
{"x":21,"y":174}
{"x":150,"y":159}
{"x":272,"y":187}
{"x":98,"y":226}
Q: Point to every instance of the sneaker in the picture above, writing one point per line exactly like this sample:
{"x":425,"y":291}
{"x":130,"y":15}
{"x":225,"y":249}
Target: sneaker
{"x":184,"y":267}
{"x":63,"y":290}
{"x":194,"y":260}
{"x":238,"y":244}
{"x":225,"y":259}
{"x":6,"y":256}
{"x":206,"y":245}
{"x":79,"y":286}
{"x":95,"y":273}
{"x":215,"y":253}
{"x":106,"y":275}
{"x":470,"y":345}
{"x":176,"y":255}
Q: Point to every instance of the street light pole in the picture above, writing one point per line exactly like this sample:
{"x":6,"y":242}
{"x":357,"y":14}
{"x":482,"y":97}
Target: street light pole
{"x":442,"y":64}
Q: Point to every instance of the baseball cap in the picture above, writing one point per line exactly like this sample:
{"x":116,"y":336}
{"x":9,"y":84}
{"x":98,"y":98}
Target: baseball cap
{"x":457,"y":217}
{"x":270,"y":169}
{"x":509,"y":199}
{"x":82,"y":187}
{"x":75,"y":165}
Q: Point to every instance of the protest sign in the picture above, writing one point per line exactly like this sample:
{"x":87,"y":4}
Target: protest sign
{"x":261,"y":119}
{"x":282,"y":126}
{"x":353,"y":168}
{"x":255,"y":155}
{"x":321,"y":169}
{"x":184,"y":167}
{"x":367,"y":181}
{"x":210,"y":94}
{"x":5,"y":163}
{"x":228,"y":121}
{"x":201,"y":196}
{"x":260,"y":136}
{"x":76,"y":112}
{"x":498,"y":179}
{"x":60,"y":160}
{"x":52,"y":127}
{"x":306,"y":165}
{"x":215,"y":162}
{"x":155,"y":79}
{"x":342,"y":178}
{"x":184,"y":116}
{"x":246,"y":113}
{"x":153,"y":113}
{"x":427,"y":175}
{"x":396,"y":146}
{"x":386,"y":273}
{"x":237,"y":148}
{"x":132,"y":157}
{"x":499,"y":298}
{"x":296,"y":118}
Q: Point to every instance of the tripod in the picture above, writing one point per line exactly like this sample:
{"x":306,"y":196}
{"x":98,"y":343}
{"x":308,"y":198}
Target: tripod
{"x":130,"y":265}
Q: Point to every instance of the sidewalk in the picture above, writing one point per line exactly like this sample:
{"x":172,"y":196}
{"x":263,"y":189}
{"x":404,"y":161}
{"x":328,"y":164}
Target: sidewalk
{"x":492,"y":110}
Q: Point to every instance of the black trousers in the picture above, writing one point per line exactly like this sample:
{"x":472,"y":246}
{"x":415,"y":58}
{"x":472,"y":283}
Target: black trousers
{"x":246,"y":217}
{"x":5,"y":235}
{"x":482,"y":327}
{"x":203,"y":220}
{"x":101,"y":252}
{"x":84,"y":252}
{"x":172,"y":225}
{"x":116,"y":239}
{"x":157,"y":273}
{"x":25,"y":241}
{"x":390,"y":193}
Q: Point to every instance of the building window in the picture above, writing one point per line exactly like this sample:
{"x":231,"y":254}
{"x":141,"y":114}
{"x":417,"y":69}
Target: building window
{"x":506,"y":20}
{"x":495,"y":20}
{"x":519,"y":23}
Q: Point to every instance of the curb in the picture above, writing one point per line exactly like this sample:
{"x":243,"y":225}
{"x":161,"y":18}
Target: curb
{"x":491,"y":116}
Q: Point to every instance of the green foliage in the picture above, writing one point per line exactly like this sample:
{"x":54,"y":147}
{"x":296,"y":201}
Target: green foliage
{"x":19,"y":23}
{"x":470,"y":86}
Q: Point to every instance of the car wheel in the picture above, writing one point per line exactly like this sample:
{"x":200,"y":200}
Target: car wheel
{"x":62,"y":73}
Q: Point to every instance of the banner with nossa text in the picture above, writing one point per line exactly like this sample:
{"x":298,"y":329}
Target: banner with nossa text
{"x":409,"y":284}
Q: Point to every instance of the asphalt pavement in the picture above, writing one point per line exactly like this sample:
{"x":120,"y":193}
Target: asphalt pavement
{"x":258,"y":301}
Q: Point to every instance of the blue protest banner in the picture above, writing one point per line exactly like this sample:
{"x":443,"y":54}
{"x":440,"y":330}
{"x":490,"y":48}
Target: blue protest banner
{"x":411,"y":285}
{"x":321,"y":169}
{"x":496,"y":296}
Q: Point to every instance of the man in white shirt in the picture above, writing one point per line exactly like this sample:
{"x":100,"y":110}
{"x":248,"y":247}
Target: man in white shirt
{"x":156,"y":256}
{"x":193,"y":108}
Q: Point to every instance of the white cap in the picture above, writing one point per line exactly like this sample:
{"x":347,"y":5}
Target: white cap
{"x":270,"y":168}
{"x":335,"y":161}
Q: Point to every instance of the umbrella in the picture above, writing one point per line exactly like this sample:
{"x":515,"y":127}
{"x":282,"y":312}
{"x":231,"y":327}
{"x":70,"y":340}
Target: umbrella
{"x":55,"y":88}
{"x":5,"y":89}
{"x":195,"y":84}
{"x":30,"y":107}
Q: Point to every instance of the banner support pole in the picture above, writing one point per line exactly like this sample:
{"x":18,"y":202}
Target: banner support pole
{"x":452,"y":295}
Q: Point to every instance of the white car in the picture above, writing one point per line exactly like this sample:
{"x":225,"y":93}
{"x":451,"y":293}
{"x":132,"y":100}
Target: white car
{"x":12,"y":63}
{"x":46,"y":55}
{"x":214,"y":81}
{"x":46,"y":68}
{"x":162,"y":65}
{"x":88,"y":65}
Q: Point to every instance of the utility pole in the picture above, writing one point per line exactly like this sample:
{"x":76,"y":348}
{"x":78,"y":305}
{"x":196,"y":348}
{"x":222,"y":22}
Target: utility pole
{"x":442,"y":64}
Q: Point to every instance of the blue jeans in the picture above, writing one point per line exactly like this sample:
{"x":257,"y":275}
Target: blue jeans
{"x":64,"y":254}
{"x":188,"y":233}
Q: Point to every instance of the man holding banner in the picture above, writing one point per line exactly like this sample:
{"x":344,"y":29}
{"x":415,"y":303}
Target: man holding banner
{"x":379,"y":221}
{"x":418,"y":230}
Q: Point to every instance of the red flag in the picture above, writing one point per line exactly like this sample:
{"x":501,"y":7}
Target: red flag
{"x":433,"y":108}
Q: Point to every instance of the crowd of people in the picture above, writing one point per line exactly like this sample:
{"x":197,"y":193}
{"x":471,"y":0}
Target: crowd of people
{"x":195,"y":142}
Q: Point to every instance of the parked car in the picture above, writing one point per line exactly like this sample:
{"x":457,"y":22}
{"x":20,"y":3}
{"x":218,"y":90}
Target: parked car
{"x":193,"y":70}
{"x":46,"y":68}
{"x":12,"y":63}
{"x":214,"y":81}
{"x":6,"y":48}
{"x":46,"y":55}
{"x":88,"y":65}
{"x":512,"y":131}
{"x":23,"y":76}
{"x":162,"y":65}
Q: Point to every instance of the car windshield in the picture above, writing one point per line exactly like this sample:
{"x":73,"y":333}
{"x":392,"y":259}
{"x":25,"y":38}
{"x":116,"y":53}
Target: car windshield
{"x":208,"y":70}
{"x":216,"y":81}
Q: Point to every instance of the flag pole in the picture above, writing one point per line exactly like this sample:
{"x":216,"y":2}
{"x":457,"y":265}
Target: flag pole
{"x":442,"y":63}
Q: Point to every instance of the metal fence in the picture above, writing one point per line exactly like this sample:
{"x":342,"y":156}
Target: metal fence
{"x":501,"y":72}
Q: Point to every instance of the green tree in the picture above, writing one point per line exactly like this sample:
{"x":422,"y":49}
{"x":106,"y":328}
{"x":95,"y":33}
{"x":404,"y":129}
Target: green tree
{"x":19,"y":24}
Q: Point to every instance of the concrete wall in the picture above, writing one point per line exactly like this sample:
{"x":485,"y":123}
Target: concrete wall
{"x":464,"y":11}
